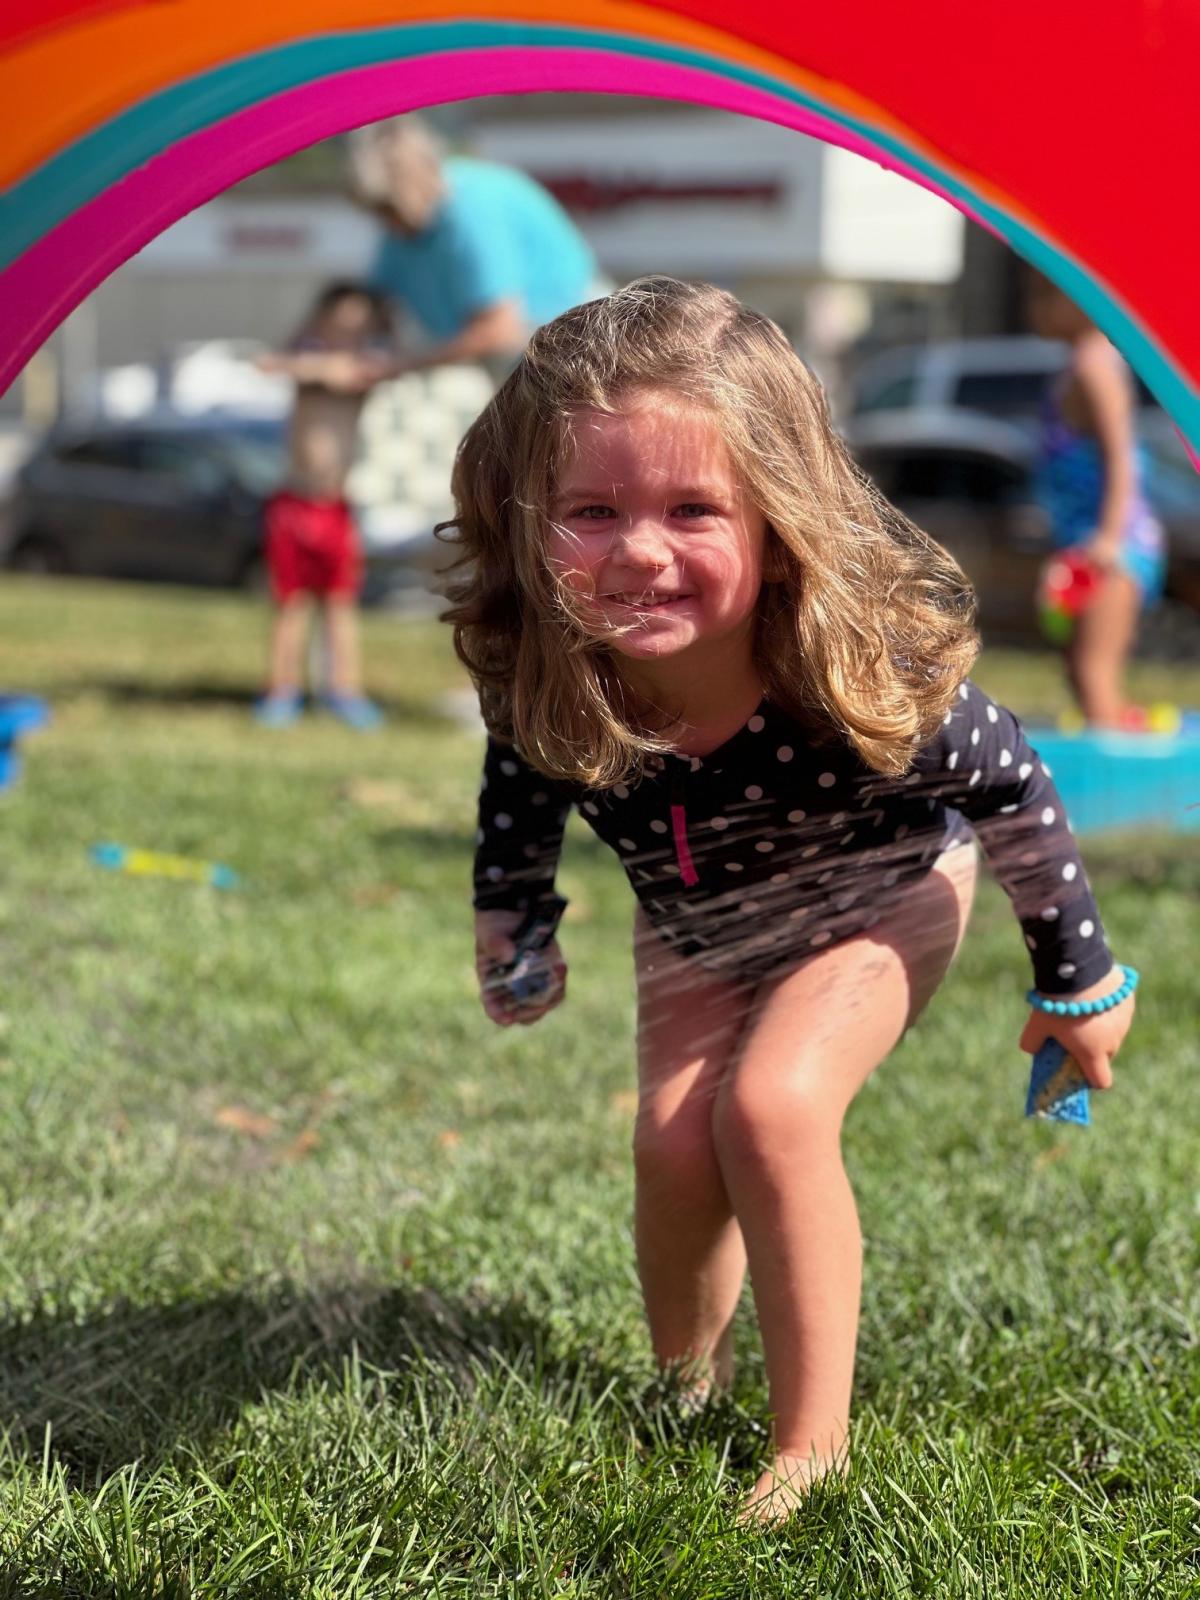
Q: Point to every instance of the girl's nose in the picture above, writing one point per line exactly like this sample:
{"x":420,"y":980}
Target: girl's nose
{"x":643,"y":544}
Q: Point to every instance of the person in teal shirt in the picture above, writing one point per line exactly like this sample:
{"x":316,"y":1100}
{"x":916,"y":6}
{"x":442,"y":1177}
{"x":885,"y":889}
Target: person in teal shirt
{"x":480,"y":254}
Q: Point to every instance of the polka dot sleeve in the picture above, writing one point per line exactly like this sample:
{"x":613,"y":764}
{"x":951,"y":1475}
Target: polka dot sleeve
{"x":522,"y":816}
{"x":981,"y":764}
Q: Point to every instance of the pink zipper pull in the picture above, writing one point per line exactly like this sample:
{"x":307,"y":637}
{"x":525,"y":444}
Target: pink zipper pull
{"x":683,"y":854}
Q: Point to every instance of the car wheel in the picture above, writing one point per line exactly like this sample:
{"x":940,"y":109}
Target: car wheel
{"x":37,"y":554}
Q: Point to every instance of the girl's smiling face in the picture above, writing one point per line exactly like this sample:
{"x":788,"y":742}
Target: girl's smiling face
{"x":650,"y":522}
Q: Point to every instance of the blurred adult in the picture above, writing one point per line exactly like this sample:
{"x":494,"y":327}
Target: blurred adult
{"x":480,"y":254}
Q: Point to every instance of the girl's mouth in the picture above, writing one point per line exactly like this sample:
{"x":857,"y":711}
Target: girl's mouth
{"x":647,"y":602}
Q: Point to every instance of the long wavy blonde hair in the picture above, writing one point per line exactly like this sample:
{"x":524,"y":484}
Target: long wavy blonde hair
{"x":864,"y":626}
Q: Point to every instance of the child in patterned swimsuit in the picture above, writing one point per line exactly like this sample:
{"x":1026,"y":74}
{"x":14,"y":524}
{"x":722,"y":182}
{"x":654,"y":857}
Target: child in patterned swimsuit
{"x":688,"y":614}
{"x":1089,"y":480}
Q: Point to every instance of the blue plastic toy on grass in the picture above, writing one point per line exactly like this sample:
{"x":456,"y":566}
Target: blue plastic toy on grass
{"x":19,"y":714}
{"x":1110,"y":779}
{"x":154,"y":864}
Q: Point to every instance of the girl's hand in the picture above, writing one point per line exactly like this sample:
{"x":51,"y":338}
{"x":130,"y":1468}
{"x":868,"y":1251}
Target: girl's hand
{"x":494,"y":946}
{"x":1103,"y":551}
{"x":1094,"y":1040}
{"x":346,"y":372}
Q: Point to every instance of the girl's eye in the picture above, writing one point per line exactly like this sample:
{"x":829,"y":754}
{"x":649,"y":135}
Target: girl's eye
{"x":596,"y":513}
{"x":693,"y":508}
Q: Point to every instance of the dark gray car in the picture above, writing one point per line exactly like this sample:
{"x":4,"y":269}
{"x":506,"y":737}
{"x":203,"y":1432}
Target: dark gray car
{"x":175,"y":500}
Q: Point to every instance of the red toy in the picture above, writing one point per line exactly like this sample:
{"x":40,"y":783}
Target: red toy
{"x":1066,"y":588}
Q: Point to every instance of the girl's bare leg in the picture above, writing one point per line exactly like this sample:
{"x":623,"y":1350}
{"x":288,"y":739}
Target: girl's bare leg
{"x":287,"y":645}
{"x":1103,"y":638}
{"x":817,"y":1034}
{"x":345,"y":659}
{"x":690,"y":1255}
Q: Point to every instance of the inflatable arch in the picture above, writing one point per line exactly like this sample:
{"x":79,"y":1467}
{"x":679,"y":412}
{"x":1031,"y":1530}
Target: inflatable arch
{"x":1069,"y":132}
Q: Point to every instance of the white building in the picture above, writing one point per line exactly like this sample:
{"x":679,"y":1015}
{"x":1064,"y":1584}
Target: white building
{"x":811,"y":235}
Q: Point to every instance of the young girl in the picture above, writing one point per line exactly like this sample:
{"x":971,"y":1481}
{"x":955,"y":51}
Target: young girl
{"x":688,"y":614}
{"x":1089,"y":480}
{"x":312,"y":544}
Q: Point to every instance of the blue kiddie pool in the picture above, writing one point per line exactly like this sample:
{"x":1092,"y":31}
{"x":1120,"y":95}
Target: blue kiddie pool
{"x":19,"y":714}
{"x":1125,"y":780}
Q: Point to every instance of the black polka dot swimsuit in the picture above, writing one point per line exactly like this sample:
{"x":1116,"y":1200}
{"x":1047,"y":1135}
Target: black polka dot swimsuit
{"x":771,"y":848}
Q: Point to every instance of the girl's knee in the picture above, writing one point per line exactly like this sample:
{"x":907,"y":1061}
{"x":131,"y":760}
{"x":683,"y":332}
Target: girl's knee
{"x":776,"y":1118}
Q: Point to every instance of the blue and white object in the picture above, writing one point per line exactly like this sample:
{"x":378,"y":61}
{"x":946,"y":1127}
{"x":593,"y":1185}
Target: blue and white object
{"x":528,"y":977}
{"x":1058,"y":1089}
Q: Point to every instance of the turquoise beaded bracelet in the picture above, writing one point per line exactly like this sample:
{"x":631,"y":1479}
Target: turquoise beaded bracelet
{"x":1086,"y":1008}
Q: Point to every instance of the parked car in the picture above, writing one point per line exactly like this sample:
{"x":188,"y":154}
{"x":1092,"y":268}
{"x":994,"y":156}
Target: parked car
{"x":173,"y":499}
{"x":967,"y":480}
{"x":1003,"y":377}
{"x":167,"y":499}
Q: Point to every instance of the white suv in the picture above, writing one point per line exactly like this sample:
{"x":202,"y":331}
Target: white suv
{"x":1003,"y":377}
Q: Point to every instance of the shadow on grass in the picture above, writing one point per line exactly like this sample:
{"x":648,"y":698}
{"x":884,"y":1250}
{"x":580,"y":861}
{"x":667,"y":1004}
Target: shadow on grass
{"x":138,"y":1382}
{"x":154,"y":1384}
{"x":203,"y":694}
{"x":141,"y":691}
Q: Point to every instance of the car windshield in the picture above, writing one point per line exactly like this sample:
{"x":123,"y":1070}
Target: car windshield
{"x":894,"y":394}
{"x":1003,"y":393}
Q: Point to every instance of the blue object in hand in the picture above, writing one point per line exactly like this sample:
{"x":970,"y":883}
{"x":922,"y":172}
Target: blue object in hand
{"x":1057,"y":1087}
{"x":528,"y":977}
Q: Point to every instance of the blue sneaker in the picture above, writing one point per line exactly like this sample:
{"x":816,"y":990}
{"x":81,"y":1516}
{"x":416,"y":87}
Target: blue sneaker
{"x":355,"y":710}
{"x":277,"y":710}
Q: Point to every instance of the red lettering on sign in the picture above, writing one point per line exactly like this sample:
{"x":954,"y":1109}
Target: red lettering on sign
{"x":580,"y":192}
{"x":275,"y":237}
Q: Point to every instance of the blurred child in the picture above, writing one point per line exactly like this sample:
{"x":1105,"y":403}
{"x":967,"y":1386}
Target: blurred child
{"x":689,"y":614}
{"x":313,"y":552}
{"x":1090,"y":482}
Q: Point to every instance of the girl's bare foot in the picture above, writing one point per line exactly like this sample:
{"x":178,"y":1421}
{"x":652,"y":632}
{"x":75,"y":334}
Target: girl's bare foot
{"x":691,"y":1401}
{"x":783,"y":1487}
{"x":700,"y":1381}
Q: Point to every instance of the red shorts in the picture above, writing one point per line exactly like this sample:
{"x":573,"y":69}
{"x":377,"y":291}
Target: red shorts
{"x":312,"y":547}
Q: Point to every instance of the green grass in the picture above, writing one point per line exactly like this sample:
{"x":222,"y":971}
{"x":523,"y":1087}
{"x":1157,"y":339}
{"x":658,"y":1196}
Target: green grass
{"x":313,"y":1283}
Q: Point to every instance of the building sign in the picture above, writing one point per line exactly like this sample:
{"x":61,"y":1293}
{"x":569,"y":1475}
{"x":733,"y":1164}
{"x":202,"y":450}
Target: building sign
{"x":696,"y":192}
{"x":250,"y":235}
{"x":267,"y":238}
